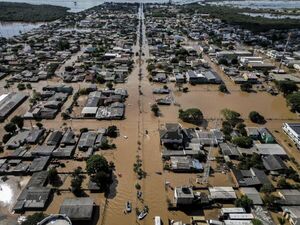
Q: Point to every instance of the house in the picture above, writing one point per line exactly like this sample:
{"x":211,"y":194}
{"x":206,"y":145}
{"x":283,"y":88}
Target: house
{"x":78,"y":209}
{"x":289,"y":197}
{"x":292,"y":214}
{"x":274,"y":164}
{"x":293,"y":131}
{"x":68,"y":138}
{"x":9,"y":102}
{"x":43,"y":150}
{"x":171,"y":134}
{"x":185,"y":164}
{"x":270,"y":149}
{"x":266,"y":136}
{"x":87,"y":140}
{"x":55,"y":138}
{"x":229,"y":150}
{"x":39,"y":164}
{"x":65,"y":151}
{"x":183,"y":196}
{"x":222,"y":193}
{"x":34,"y":135}
{"x":35,"y":196}
{"x":252,"y":132}
{"x":252,"y":194}
{"x":249,"y":178}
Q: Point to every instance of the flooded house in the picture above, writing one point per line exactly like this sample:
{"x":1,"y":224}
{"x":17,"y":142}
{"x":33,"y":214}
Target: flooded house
{"x":78,"y":209}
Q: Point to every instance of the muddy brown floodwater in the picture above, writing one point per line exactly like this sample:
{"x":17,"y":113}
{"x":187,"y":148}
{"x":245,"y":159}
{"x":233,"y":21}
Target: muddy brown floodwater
{"x":139,"y":118}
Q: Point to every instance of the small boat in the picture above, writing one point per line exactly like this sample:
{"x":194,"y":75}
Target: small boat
{"x":157,"y":220}
{"x":143,"y":214}
{"x":159,"y":173}
{"x":128,"y":207}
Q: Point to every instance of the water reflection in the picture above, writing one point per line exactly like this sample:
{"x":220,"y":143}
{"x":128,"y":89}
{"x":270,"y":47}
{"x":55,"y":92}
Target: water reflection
{"x":9,"y":29}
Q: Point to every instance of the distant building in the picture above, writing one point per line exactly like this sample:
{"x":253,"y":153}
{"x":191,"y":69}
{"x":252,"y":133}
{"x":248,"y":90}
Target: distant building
{"x":293,"y":131}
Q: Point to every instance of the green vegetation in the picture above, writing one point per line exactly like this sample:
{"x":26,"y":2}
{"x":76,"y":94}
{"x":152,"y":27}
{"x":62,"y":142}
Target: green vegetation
{"x":231,"y":116}
{"x":76,"y":181}
{"x":192,"y":115}
{"x":244,"y":202}
{"x":256,"y":222}
{"x":223,"y":88}
{"x":293,"y":101}
{"x":100,"y":171}
{"x":234,"y":16}
{"x":155,"y":109}
{"x":137,"y":168}
{"x":112,"y":131}
{"x":247,"y":162}
{"x":286,"y":87}
{"x":255,"y":117}
{"x":246,"y":87}
{"x":11,"y":11}
{"x":267,"y":188}
{"x":243,"y":142}
{"x":34,"y":219}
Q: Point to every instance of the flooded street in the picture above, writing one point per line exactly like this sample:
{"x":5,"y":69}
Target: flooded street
{"x":139,"y":139}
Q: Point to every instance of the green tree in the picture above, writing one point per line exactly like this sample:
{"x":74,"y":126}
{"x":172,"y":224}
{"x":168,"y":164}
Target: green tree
{"x":109,"y":85}
{"x":247,"y":87}
{"x":76,"y":181}
{"x":256,"y":222}
{"x":223,"y":88}
{"x":282,"y":183}
{"x":293,"y":101}
{"x":270,"y":201}
{"x":112,"y":131}
{"x":231,"y":116}
{"x":97,"y":163}
{"x":34,"y":219}
{"x":100,"y":171}
{"x":18,"y":120}
{"x":244,"y":202}
{"x":255,"y":117}
{"x":267,"y":188}
{"x":286,"y":86}
{"x":53,"y":176}
{"x":243,"y":142}
{"x":155,"y":109}
{"x":10,"y":128}
{"x":192,"y":115}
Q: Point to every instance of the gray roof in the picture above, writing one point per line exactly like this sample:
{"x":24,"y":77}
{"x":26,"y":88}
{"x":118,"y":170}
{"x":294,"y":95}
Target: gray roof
{"x":87,"y":139}
{"x":9,"y":102}
{"x":43,"y":150}
{"x":273,"y":163}
{"x":55,"y":138}
{"x":64,"y":152}
{"x":68,"y":138}
{"x":229,"y":150}
{"x":253,"y":194}
{"x":77,"y":208}
{"x":289,"y":197}
{"x":34,"y":135}
{"x":39,"y":164}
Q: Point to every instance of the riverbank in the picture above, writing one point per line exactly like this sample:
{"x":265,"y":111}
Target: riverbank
{"x":23,"y":12}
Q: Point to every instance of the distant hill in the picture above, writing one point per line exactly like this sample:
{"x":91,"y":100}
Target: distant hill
{"x":10,"y":11}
